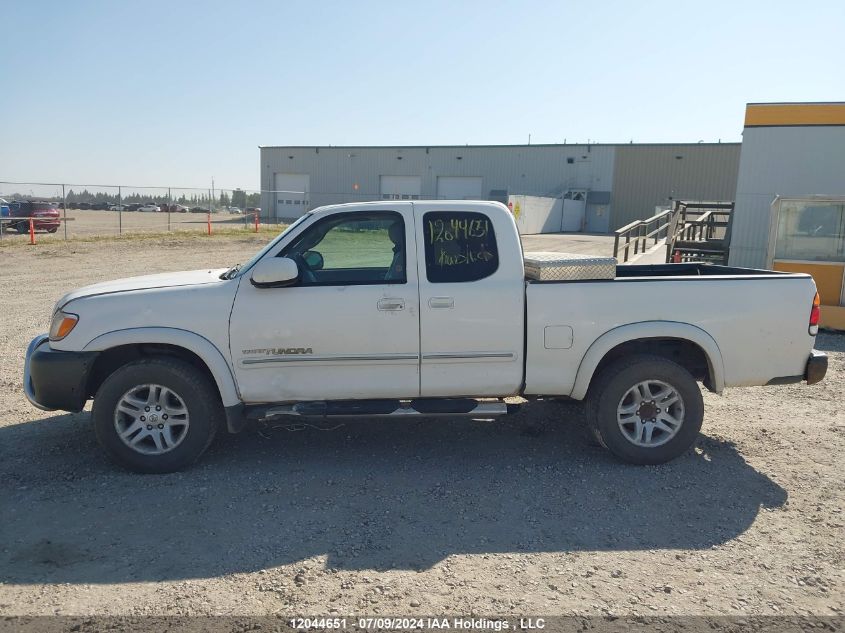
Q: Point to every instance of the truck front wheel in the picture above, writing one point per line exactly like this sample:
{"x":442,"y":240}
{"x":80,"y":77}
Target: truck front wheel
{"x":156,"y":415}
{"x":645,"y":409}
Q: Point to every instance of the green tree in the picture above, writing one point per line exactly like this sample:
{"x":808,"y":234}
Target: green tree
{"x":239,"y":198}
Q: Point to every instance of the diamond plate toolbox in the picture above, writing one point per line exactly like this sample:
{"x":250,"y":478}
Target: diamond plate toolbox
{"x":568,"y":267}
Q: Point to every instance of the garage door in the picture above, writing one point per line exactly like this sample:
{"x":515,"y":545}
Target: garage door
{"x":292,"y":194}
{"x":459,"y":187}
{"x":400,"y":187}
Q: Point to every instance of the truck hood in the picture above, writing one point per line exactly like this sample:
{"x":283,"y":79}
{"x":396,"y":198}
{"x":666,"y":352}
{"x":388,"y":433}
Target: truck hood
{"x":144,"y":282}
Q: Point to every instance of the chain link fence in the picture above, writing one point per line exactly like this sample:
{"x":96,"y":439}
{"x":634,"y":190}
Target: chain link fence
{"x":77,"y":211}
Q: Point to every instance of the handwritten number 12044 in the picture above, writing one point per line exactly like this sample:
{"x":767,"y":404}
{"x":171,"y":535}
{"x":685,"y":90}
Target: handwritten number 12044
{"x":455,"y":229}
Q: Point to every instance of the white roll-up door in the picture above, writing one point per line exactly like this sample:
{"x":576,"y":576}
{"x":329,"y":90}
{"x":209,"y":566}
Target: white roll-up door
{"x":400,"y":187}
{"x":459,"y":188}
{"x":292,"y":194}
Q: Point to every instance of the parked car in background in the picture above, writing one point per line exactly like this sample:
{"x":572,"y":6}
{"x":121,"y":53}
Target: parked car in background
{"x":200,"y":210}
{"x":82,"y":205}
{"x":148,"y":206}
{"x":100,"y":206}
{"x":45,"y":216}
{"x":235,"y":210}
{"x":253,"y":210}
{"x":133,"y":207}
{"x":178,"y":208}
{"x":118,"y":207}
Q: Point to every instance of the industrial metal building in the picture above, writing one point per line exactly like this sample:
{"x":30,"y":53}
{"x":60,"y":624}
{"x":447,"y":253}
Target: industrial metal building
{"x":790,"y":199}
{"x":788,"y":150}
{"x":621,"y":183}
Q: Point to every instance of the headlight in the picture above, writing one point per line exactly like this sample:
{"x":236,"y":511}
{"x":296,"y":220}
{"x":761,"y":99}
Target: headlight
{"x":62,"y":325}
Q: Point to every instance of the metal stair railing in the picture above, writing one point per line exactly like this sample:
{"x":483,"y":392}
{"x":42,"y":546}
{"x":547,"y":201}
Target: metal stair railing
{"x":638,"y":233}
{"x":700,"y":230}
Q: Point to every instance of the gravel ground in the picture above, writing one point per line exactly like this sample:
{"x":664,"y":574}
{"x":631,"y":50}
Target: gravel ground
{"x":402,"y":518}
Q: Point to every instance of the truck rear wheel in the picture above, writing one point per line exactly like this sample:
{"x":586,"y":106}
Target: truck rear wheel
{"x":645,"y":409}
{"x":156,"y":415}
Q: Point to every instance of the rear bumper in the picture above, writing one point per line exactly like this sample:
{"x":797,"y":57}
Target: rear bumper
{"x":814,"y":371}
{"x":54,"y":379}
{"x":816,"y":367}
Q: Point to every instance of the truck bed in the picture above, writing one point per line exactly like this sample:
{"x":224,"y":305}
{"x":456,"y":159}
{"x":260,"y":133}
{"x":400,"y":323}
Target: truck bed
{"x":756,"y":320}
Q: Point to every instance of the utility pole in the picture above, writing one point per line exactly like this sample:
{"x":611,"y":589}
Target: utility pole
{"x":64,"y":210}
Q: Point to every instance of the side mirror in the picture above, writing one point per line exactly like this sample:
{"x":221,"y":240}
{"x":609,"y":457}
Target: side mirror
{"x":314,"y":259}
{"x":274,"y":272}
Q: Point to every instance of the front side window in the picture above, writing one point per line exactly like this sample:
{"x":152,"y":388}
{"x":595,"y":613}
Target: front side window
{"x":459,"y":246}
{"x":351,"y":249}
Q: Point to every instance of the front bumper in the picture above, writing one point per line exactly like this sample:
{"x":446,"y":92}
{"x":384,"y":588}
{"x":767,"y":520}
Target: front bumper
{"x":45,"y":225}
{"x":54,"y":379}
{"x":46,"y":221}
{"x":40,"y":223}
{"x":816,"y":367}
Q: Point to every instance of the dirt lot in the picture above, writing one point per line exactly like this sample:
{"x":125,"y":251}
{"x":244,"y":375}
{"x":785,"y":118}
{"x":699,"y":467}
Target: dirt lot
{"x":423,"y":517}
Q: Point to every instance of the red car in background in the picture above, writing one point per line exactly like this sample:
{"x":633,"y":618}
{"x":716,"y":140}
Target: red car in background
{"x":45,"y":216}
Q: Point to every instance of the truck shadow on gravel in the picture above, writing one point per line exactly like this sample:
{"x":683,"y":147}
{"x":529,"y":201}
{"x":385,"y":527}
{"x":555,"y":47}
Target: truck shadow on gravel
{"x":368,"y":495}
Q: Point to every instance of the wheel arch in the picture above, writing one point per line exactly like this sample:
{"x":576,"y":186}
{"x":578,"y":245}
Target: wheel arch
{"x":681,"y":342}
{"x":122,"y":345}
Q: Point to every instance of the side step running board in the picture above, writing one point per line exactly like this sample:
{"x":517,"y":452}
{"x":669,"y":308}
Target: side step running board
{"x":465,"y":407}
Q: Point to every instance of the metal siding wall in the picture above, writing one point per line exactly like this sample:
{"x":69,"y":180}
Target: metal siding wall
{"x":786,"y":161}
{"x":648,"y":175}
{"x":639,"y":176}
{"x":530,"y":169}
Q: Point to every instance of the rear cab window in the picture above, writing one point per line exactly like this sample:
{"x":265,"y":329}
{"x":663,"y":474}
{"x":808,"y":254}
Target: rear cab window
{"x":460,"y":246}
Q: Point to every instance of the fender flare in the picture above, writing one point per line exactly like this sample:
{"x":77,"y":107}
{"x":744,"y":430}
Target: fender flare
{"x":649,"y":329}
{"x":191,"y":341}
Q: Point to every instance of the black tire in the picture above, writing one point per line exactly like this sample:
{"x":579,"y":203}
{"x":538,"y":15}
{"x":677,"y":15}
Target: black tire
{"x":606,"y":397}
{"x":22,"y":227}
{"x":52,"y":230}
{"x":200,"y":398}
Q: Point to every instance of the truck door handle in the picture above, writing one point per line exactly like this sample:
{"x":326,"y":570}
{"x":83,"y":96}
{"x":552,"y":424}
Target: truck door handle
{"x":441,"y":302}
{"x":391,"y":304}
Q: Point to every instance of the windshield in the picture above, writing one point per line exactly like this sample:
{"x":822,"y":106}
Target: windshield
{"x":229,"y":274}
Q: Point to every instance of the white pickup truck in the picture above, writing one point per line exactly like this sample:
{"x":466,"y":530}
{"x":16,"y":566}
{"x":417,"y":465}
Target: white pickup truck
{"x":401,"y":309}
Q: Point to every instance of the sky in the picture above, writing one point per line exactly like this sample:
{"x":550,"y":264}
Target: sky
{"x":175,"y":93}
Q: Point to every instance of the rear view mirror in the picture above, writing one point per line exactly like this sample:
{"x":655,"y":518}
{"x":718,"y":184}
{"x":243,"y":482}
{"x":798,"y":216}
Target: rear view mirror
{"x":313,"y":259}
{"x":274,"y":272}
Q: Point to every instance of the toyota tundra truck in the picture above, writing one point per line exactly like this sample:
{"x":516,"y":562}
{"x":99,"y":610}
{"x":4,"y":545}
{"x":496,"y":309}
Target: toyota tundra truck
{"x":398,"y":309}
